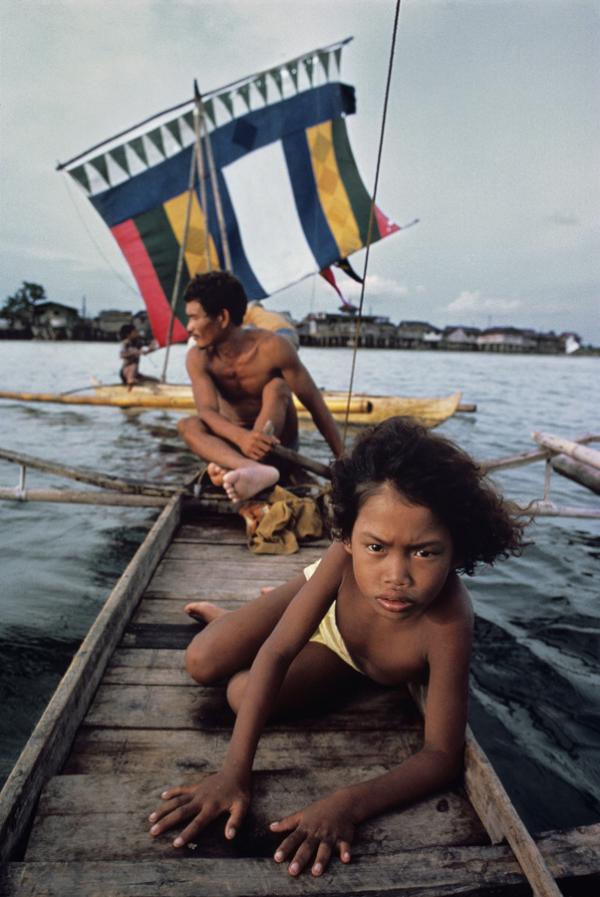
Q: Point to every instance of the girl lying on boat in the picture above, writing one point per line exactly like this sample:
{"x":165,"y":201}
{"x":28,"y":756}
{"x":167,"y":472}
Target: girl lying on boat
{"x":410,"y":512}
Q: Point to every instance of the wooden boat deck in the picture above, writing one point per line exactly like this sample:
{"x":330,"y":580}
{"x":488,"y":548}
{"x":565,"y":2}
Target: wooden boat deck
{"x":149,"y":726}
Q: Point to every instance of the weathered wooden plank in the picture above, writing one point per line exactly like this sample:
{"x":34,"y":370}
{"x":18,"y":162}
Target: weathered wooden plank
{"x":161,"y":659}
{"x":475,"y":871}
{"x":214,"y":588}
{"x":165,"y":612}
{"x":174,"y":707}
{"x":170,"y":755}
{"x":48,"y":746}
{"x":215,"y":551}
{"x":157,"y":635}
{"x":224,"y":572}
{"x":144,"y":666}
{"x":100,"y":817}
{"x":496,"y":811}
{"x":225,"y":530}
{"x":222,"y":530}
{"x":501,"y":819}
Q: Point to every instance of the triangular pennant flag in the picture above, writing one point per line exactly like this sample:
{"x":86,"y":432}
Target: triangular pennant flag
{"x":100,"y":164}
{"x":309,"y":65}
{"x":292,"y":68}
{"x":120,"y":157}
{"x":347,"y":268}
{"x":328,"y":275}
{"x":173,"y":128}
{"x":157,"y":139}
{"x":324,"y":60}
{"x":209,"y":109}
{"x":189,"y":119}
{"x":278,"y":79}
{"x":80,"y":175}
{"x":244,"y":92}
{"x":338,"y":57}
{"x":261,"y":84}
{"x":137,"y":145}
{"x":227,"y":102}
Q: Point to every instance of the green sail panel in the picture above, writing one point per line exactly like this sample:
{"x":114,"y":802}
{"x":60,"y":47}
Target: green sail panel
{"x":163,"y":248}
{"x":357,"y":193}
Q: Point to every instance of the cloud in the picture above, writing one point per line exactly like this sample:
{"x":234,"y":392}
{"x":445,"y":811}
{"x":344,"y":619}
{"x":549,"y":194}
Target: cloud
{"x":472,"y":300}
{"x":47,"y":254}
{"x":376,"y":287}
{"x":563,"y":219}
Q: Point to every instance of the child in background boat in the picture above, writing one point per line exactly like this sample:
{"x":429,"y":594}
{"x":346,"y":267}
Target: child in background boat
{"x":411,"y":511}
{"x":132,"y":348}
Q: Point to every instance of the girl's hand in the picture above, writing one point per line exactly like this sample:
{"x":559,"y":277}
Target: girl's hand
{"x":316,"y":831}
{"x":214,"y":795}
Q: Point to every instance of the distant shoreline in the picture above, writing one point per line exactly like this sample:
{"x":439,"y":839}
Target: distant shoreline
{"x":583,"y":352}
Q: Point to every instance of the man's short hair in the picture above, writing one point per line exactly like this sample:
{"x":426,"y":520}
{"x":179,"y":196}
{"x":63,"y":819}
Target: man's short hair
{"x":217,"y":290}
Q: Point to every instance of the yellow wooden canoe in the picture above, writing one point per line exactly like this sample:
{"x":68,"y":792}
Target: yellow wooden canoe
{"x":364,"y":409}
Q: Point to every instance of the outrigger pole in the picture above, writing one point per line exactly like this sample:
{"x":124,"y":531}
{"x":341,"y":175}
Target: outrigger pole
{"x":197,"y":165}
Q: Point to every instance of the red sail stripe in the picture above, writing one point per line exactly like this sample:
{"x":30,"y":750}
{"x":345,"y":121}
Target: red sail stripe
{"x":159,"y":309}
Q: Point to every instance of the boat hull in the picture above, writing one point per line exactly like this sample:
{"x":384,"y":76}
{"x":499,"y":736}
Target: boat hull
{"x":363,"y":409}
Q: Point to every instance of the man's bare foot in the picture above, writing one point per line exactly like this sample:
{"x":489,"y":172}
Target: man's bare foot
{"x":216,"y":473}
{"x":244,"y":482}
{"x":204,"y":611}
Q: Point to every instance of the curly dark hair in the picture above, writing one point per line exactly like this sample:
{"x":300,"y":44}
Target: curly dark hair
{"x":217,"y":290}
{"x":431,"y":471}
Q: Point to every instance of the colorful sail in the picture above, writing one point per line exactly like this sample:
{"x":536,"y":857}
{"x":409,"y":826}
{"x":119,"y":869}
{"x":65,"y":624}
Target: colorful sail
{"x":285,"y":199}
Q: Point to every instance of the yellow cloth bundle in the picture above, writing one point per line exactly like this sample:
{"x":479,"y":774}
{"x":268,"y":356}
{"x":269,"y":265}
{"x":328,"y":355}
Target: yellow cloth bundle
{"x":276,"y":525}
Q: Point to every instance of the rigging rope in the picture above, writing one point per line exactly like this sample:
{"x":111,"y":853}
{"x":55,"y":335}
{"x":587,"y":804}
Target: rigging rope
{"x":371,"y":216}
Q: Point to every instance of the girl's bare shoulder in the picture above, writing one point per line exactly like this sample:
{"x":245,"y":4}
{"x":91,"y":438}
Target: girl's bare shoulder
{"x":453,"y":607}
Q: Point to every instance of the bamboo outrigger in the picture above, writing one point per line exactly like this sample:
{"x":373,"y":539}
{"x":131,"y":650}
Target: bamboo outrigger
{"x":126,"y":721}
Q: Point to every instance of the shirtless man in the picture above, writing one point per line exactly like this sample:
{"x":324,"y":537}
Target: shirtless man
{"x":243,"y":382}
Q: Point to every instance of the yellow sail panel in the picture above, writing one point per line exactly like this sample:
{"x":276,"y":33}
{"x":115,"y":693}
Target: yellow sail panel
{"x":330,"y":187}
{"x":195,"y":254}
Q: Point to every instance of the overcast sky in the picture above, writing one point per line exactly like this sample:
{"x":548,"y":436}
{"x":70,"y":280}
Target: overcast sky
{"x":492,"y":141}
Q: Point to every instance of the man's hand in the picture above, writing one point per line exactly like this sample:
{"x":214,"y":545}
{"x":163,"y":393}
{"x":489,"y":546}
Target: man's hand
{"x":255,"y":445}
{"x":316,"y":832}
{"x":203,"y":802}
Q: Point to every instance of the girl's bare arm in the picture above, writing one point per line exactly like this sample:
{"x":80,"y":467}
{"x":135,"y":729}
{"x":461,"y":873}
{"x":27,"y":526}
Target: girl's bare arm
{"x":329,"y":824}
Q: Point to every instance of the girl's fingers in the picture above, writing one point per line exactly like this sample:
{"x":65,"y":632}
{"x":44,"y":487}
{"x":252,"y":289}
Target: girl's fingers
{"x":200,"y":821}
{"x":176,"y":792}
{"x":344,"y":851}
{"x":288,"y":846}
{"x":164,"y":812}
{"x":322,"y":858}
{"x":303,"y":855}
{"x":236,"y":816}
{"x":174,"y":818}
{"x":285,"y":824}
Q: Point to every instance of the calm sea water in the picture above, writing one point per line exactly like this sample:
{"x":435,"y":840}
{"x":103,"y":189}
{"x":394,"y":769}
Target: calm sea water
{"x":536,"y":678}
